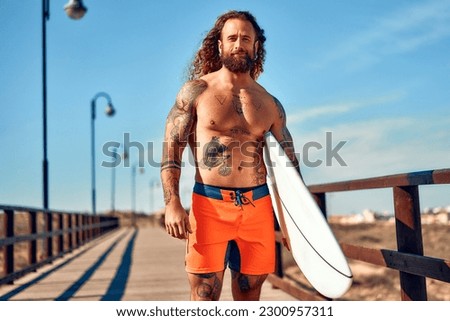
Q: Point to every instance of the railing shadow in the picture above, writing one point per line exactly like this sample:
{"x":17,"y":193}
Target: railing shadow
{"x":118,"y":284}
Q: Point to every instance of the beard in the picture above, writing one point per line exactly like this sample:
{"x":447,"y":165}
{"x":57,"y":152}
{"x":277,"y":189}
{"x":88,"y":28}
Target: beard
{"x":238,"y":64}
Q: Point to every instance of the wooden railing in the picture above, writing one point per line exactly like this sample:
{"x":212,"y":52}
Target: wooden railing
{"x":57,"y":233}
{"x":414,"y":267}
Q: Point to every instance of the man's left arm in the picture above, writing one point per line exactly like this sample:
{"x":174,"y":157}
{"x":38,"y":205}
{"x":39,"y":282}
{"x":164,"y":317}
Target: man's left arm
{"x":284,"y":137}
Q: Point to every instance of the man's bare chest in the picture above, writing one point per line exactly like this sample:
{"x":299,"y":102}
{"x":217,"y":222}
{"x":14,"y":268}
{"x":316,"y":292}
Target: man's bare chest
{"x":234,"y":112}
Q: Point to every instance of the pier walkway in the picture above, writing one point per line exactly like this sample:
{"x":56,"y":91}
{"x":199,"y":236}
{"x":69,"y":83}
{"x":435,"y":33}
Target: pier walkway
{"x":127,"y":264}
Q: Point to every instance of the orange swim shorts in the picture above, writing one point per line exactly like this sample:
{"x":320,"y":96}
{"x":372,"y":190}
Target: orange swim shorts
{"x":233,"y":227}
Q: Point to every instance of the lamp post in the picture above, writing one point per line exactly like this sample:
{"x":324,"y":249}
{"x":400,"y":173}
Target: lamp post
{"x":110,"y":111}
{"x":113,"y":183}
{"x":153,"y":185}
{"x":133,"y":193}
{"x":133,"y":189}
{"x":75,"y":10}
{"x":133,"y":185}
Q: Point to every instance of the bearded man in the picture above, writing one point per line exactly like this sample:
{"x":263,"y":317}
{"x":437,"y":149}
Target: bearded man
{"x":222,"y":113}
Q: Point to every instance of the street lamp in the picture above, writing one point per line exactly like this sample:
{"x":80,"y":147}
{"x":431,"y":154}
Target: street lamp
{"x":74,"y":9}
{"x":109,"y":111}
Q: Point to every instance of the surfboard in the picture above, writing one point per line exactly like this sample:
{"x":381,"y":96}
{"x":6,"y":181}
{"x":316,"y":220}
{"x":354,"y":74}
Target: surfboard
{"x":309,"y":237}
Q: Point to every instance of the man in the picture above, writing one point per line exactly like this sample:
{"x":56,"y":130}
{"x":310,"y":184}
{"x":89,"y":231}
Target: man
{"x":223,"y":114}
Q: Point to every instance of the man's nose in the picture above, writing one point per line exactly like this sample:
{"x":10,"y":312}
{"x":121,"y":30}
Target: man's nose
{"x":237,"y":44}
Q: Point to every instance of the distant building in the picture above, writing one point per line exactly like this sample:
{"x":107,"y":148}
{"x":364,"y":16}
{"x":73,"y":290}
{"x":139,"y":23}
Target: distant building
{"x":437,"y":215}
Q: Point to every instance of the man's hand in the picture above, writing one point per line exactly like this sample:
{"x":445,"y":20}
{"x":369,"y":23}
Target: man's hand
{"x":286,"y":244}
{"x":177,"y":222}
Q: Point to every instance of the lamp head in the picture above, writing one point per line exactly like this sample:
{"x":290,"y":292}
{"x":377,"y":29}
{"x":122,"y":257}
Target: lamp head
{"x":110,"y":111}
{"x":75,"y":9}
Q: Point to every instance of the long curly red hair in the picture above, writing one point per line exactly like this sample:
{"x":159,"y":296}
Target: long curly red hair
{"x":207,"y":59}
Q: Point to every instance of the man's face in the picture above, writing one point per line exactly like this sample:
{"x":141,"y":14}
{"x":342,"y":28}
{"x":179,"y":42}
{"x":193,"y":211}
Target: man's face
{"x":237,"y":45}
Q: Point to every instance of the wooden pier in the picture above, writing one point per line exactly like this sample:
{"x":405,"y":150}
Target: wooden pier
{"x":127,"y":264}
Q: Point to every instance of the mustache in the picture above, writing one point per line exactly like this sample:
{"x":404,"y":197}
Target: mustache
{"x":242,"y":55}
{"x":240,"y":52}
{"x":246,"y":54}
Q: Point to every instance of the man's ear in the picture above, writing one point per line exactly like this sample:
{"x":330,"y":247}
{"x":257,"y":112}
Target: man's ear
{"x":219,"y":46}
{"x":256,"y":48}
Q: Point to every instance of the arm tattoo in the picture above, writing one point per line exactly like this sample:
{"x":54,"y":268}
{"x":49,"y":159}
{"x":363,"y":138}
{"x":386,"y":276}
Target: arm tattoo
{"x":280,"y":108}
{"x":171,"y":185}
{"x":179,"y":125}
{"x":170,"y":164}
{"x":182,"y":114}
{"x":287,"y":142}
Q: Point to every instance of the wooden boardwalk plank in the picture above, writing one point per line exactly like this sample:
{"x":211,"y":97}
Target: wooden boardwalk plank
{"x":129,"y":265}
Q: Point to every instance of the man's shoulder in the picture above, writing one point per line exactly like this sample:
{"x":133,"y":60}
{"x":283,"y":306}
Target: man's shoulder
{"x":265,"y":95}
{"x":194,"y":84}
{"x":212,"y":79}
{"x":192,"y":89}
{"x":257,"y":87}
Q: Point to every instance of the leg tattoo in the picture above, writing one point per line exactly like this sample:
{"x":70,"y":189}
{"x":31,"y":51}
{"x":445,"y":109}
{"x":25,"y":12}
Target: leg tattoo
{"x":247,"y":287}
{"x":208,"y":286}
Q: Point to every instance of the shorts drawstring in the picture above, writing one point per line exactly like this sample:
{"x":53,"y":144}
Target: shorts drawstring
{"x":240,"y":199}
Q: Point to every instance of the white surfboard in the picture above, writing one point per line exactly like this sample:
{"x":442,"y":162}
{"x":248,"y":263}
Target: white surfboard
{"x":310,"y":238}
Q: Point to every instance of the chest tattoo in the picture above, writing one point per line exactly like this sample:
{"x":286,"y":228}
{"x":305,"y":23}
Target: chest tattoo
{"x":221,"y":99}
{"x":236,"y":131}
{"x":238,"y":103}
{"x":216,"y":154}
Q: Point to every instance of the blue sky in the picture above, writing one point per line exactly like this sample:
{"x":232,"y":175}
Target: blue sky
{"x":374,"y":74}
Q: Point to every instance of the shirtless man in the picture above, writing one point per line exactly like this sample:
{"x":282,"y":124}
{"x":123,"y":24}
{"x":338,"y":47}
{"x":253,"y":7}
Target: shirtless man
{"x":223,"y":114}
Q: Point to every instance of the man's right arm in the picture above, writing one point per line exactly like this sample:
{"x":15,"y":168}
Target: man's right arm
{"x":178,"y":127}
